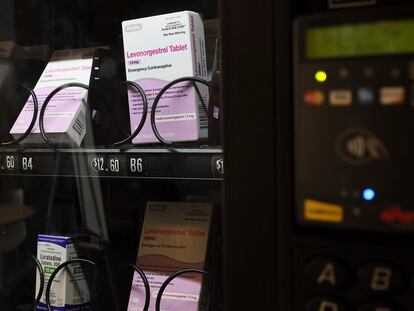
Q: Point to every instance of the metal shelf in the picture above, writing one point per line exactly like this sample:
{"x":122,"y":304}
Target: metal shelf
{"x":198,"y":163}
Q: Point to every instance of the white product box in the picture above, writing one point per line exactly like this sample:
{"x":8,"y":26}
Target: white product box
{"x":65,"y":116}
{"x":69,"y":289}
{"x":160,"y":49}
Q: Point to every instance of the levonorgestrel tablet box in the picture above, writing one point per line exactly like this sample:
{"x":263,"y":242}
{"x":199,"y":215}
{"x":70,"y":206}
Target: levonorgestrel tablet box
{"x":69,"y":290}
{"x":174,"y":237}
{"x":160,"y":49}
{"x":65,"y":116}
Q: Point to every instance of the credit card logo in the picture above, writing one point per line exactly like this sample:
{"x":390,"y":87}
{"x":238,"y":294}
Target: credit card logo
{"x":392,"y":96}
{"x":314,"y":98}
{"x":366,"y":96}
{"x":340,"y":98}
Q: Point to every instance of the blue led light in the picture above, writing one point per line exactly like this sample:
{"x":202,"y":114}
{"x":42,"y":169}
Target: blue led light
{"x":368,"y":194}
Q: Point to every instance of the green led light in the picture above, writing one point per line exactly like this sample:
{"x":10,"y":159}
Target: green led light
{"x":321,"y":76}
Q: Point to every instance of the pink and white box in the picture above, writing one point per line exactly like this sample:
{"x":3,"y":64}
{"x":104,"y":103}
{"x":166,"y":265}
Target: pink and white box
{"x":174,"y":237}
{"x":160,"y":49}
{"x":65,"y":116}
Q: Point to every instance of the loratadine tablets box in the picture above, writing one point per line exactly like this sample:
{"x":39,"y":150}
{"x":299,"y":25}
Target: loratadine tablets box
{"x":160,"y":49}
{"x":69,"y":290}
{"x":174,"y":237}
{"x":65,"y":116}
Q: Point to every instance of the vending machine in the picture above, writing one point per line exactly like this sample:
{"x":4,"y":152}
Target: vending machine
{"x":206,"y":155}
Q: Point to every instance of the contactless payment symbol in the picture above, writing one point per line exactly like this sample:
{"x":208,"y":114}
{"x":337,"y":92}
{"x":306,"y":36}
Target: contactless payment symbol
{"x":360,"y":146}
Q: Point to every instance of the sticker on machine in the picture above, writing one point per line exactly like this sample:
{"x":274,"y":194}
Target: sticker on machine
{"x":315,"y":210}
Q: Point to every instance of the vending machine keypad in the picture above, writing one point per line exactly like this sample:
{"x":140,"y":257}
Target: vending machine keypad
{"x":354,"y":278}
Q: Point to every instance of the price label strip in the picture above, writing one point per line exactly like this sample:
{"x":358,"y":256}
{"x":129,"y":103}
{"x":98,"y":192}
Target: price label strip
{"x":112,"y":164}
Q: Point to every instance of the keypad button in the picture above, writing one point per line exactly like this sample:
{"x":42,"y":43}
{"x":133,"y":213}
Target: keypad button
{"x":380,"y":278}
{"x":378,"y":306}
{"x":327,"y":272}
{"x":324,"y":304}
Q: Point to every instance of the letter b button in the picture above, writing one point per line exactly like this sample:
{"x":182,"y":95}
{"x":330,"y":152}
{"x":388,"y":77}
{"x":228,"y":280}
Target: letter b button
{"x":380,"y":278}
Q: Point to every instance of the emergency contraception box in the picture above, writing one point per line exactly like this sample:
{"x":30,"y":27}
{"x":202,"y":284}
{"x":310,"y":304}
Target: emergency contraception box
{"x":69,"y":290}
{"x":65,"y":116}
{"x":160,"y":49}
{"x":174,"y":237}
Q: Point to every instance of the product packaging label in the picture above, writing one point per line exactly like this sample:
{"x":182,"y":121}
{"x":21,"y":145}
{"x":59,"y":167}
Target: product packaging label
{"x":160,"y":49}
{"x":174,"y":237}
{"x":65,"y":116}
{"x":69,"y":290}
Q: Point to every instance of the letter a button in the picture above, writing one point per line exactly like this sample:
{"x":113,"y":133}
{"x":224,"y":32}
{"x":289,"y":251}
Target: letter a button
{"x":327,"y":272}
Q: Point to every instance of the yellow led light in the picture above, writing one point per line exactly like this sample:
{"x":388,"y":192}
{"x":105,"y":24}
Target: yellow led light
{"x":321,"y":76}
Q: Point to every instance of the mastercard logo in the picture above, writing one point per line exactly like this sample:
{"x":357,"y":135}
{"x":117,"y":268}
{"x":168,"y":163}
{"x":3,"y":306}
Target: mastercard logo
{"x":314,"y":98}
